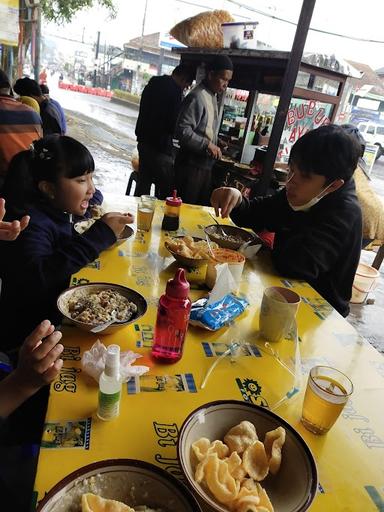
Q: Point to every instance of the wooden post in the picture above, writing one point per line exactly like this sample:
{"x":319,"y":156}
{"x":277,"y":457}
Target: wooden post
{"x":286,"y":91}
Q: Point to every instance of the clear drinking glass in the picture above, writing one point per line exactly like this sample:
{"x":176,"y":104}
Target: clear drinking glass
{"x":145,"y":211}
{"x":327,"y":393}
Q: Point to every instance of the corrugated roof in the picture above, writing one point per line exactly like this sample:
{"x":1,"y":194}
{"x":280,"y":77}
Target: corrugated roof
{"x":369,"y":77}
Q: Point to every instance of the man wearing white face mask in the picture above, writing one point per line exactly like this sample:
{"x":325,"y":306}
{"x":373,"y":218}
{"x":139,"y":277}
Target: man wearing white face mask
{"x":316,"y":218}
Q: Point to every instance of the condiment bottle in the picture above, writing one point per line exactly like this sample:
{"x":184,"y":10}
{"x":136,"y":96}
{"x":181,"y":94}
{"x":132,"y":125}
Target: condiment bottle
{"x":110,"y":385}
{"x":172,"y":213}
{"x":172,"y":320}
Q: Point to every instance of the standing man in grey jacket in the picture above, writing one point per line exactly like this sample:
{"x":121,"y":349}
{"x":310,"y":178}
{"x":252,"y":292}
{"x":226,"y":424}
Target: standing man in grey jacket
{"x":196,"y":129}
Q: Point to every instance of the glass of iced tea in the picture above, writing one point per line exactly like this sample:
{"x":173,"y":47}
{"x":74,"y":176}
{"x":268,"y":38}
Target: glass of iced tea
{"x":327,"y":393}
{"x":145,"y":211}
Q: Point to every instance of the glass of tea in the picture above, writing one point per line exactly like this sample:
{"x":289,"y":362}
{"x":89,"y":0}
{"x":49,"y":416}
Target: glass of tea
{"x":145,"y":211}
{"x":327,"y":393}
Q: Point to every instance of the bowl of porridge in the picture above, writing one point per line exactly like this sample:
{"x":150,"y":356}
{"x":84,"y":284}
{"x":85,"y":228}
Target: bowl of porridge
{"x":135,"y":485}
{"x":90,"y":305}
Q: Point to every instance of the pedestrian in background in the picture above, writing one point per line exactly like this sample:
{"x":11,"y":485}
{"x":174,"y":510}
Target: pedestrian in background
{"x":159,"y":108}
{"x":45,"y":90}
{"x":197,"y":132}
{"x":19,"y":125}
{"x":49,"y":114}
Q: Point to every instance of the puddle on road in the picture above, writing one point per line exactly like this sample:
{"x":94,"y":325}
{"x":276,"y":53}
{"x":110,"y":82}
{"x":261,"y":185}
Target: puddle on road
{"x":111,"y":174}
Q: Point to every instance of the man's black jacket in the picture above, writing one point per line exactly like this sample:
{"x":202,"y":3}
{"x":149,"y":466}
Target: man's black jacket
{"x":321,"y":246}
{"x":159,"y":107}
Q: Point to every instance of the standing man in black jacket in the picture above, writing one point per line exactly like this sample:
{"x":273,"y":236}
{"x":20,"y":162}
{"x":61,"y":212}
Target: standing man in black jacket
{"x":316,"y":219}
{"x":159,"y":107}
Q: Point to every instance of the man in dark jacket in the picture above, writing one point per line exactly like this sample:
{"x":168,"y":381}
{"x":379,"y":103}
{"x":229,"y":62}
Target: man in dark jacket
{"x":316,"y":219}
{"x":197,"y":132}
{"x":48,"y":112}
{"x":159,"y":107}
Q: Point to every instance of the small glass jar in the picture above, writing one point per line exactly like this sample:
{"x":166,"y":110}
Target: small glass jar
{"x":171,"y":219}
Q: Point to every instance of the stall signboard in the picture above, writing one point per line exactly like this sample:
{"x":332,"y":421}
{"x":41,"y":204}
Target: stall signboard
{"x":303,"y":115}
{"x":369,"y":157}
{"x":9,"y":22}
{"x":168,"y":42}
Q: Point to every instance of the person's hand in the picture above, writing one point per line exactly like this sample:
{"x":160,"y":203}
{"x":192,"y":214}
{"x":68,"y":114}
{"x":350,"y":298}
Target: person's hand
{"x":225,"y":199}
{"x":214,"y":151}
{"x":39,"y":362}
{"x":117,"y":221}
{"x":9,"y":231}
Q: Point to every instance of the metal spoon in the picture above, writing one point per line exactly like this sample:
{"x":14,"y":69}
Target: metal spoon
{"x":219,"y":225}
{"x":103,"y":326}
{"x":210,"y":247}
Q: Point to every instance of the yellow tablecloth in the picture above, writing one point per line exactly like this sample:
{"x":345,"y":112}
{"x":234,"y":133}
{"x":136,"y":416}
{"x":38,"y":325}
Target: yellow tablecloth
{"x":349,"y":458}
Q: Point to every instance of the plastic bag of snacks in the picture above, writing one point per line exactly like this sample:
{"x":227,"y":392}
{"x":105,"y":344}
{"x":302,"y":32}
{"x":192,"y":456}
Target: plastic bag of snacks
{"x":203,"y":30}
{"x":217,"y":315}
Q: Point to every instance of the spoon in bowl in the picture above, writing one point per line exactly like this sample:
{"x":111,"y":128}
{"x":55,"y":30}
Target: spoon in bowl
{"x":102,"y":327}
{"x":210,"y":247}
{"x":218,"y":225}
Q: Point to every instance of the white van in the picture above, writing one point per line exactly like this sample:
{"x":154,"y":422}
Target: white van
{"x":373,"y":133}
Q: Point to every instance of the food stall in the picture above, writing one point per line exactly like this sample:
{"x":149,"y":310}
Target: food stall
{"x":250,"y":105}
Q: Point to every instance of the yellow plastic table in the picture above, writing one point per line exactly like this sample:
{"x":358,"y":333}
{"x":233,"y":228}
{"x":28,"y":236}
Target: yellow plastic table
{"x":349,"y":458}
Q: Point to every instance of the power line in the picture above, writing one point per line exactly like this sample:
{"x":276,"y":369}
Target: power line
{"x":208,"y":7}
{"x":278,"y":18}
{"x":47,"y":34}
{"x":267,"y":15}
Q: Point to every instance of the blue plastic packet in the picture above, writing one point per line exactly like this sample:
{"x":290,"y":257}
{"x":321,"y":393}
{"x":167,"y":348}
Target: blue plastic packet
{"x":218,"y":314}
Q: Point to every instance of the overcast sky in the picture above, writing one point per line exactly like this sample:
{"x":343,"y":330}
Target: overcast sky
{"x":363,"y":19}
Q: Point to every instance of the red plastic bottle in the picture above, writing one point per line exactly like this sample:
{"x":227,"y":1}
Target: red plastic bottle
{"x":172,"y":320}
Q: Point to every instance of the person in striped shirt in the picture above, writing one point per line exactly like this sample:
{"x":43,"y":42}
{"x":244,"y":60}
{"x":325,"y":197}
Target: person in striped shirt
{"x":19,"y":125}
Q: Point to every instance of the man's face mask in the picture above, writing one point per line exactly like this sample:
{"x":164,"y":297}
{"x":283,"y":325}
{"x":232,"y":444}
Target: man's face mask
{"x":309,"y":204}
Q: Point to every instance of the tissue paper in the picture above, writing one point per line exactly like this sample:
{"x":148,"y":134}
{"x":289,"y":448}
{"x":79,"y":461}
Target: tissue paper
{"x":93,"y":362}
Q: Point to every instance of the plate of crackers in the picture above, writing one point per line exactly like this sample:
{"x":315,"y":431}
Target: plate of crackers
{"x":240,"y":457}
{"x":189,"y":251}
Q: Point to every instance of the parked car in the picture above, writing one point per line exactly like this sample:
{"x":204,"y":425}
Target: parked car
{"x":373,"y":133}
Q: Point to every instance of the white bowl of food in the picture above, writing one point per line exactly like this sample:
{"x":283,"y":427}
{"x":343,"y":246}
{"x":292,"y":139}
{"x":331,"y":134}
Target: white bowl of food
{"x":136,"y":485}
{"x":90,"y":305}
{"x":258,"y":455}
{"x":189,"y":251}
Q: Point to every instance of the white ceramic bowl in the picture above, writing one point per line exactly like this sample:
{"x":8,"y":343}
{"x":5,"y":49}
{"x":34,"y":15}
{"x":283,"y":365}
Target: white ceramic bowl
{"x":125,"y":235}
{"x":292,"y":489}
{"x":131,"y":295}
{"x":133,"y":482}
{"x":188,"y":262}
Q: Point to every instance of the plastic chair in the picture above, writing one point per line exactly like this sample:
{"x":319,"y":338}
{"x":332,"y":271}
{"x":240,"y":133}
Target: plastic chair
{"x":133,"y":178}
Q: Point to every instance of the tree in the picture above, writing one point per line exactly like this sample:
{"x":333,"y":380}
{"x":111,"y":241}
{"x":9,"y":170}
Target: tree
{"x":62,"y":11}
{"x":58,"y":11}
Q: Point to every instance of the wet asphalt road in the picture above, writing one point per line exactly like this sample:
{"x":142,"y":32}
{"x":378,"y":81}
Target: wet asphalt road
{"x":107,"y":129}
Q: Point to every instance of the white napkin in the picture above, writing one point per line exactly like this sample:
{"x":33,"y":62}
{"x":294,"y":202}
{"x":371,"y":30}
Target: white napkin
{"x":93,"y":362}
{"x":249,"y":251}
{"x":224,"y":285}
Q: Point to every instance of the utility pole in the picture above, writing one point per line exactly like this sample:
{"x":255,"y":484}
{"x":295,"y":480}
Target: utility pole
{"x":96,"y":57}
{"x":37,"y":19}
{"x":138,"y":78}
{"x":287,"y":91}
